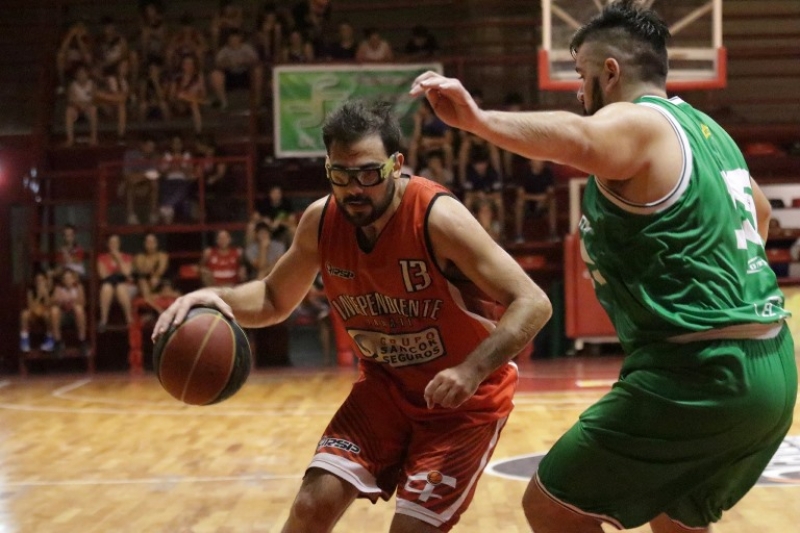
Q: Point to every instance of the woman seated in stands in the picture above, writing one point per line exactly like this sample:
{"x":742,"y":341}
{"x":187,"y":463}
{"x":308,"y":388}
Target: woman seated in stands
{"x":36,"y":312}
{"x":115,"y":270}
{"x":68,"y":309}
{"x":187,"y":92}
{"x":112,"y":95}
{"x":80,"y":102}
{"x":150,"y":265}
{"x":153,"y":90}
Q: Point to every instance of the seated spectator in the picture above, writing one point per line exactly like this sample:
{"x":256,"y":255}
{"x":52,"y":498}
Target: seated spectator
{"x":297,"y":49}
{"x":75,"y":49}
{"x":430,"y":134}
{"x":262,"y":251}
{"x":374,"y":48}
{"x":535,"y":185}
{"x":317,"y":302}
{"x":345,"y":47}
{"x":473,"y":147}
{"x":422,"y":44}
{"x":268,"y":36}
{"x":112,"y":96}
{"x":112,"y":49}
{"x":80,"y":103}
{"x":187,"y":92}
{"x":68,"y":308}
{"x":188,"y":40}
{"x":486,"y":212}
{"x":70,"y":255}
{"x":151,"y":44}
{"x":176,"y":187}
{"x":222,"y":265}
{"x":436,"y":171}
{"x":115,"y":270}
{"x":311,"y":19}
{"x":152,"y":94}
{"x":37,"y":311}
{"x":277,"y":211}
{"x":482,"y":182}
{"x":229,"y":18}
{"x":236,"y":67}
{"x":149,"y":267}
{"x":140,"y":179}
{"x":512,"y":101}
{"x":218,"y":189}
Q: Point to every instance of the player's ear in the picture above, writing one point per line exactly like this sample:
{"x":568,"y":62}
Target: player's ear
{"x":611,"y":73}
{"x":398,"y":165}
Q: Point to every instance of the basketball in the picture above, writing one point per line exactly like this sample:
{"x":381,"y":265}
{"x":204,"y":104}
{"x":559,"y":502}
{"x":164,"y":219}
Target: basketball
{"x":203,"y":360}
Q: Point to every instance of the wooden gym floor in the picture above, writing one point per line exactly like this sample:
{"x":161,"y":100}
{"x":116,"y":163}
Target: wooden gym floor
{"x":114,"y":453}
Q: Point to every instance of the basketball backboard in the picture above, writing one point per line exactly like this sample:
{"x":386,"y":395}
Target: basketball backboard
{"x":697,"y":59}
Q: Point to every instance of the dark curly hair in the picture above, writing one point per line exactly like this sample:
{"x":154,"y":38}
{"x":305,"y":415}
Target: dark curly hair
{"x":357,"y":119}
{"x":638,"y":33}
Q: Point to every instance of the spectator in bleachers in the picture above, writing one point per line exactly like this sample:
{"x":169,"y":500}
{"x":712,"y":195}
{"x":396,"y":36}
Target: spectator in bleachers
{"x":229,"y":19}
{"x":176,"y":187}
{"x":113,"y":94}
{"x":152,"y":95}
{"x":236,"y":67}
{"x":187,"y":92}
{"x":278,"y":212}
{"x":374,"y":48}
{"x":535,"y":185}
{"x":37,"y":312}
{"x":81,"y":103}
{"x":262,"y":251}
{"x":422,"y":44}
{"x":317,"y":302}
{"x":268,"y":37}
{"x":223,"y":264}
{"x":297,"y":49}
{"x":140,"y":173}
{"x":70,"y":255}
{"x":149,"y":267}
{"x":68,"y":308}
{"x":430,"y":134}
{"x":188,"y":40}
{"x":473,"y":147}
{"x":482,"y":182}
{"x":512,"y":101}
{"x":111,"y":49}
{"x":219,"y":189}
{"x":311,"y":18}
{"x":435,"y":170}
{"x":75,"y":49}
{"x":115,"y":271}
{"x":345,"y":47}
{"x":151,"y":43}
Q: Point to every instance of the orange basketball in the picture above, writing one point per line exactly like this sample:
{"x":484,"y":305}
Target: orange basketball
{"x":203,"y":360}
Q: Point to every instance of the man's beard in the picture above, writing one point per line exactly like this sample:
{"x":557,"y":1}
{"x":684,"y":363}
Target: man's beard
{"x":366,"y":218}
{"x":597,"y":99}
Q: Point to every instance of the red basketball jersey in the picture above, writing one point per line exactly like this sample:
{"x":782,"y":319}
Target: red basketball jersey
{"x":224,"y":266}
{"x":406,"y":320}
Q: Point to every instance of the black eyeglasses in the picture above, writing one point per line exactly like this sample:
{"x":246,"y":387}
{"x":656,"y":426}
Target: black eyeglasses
{"x":364,"y":176}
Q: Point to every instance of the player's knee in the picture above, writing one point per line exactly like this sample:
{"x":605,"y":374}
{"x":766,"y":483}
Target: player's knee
{"x":313,"y":511}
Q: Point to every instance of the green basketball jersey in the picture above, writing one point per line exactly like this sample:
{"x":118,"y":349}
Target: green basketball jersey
{"x":692,"y":261}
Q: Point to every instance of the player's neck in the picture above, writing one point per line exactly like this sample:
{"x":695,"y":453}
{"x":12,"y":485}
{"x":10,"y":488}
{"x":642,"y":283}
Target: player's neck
{"x":631,"y":94}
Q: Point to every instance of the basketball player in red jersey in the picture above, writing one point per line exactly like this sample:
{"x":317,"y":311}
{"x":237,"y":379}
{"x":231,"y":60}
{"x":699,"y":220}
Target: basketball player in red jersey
{"x":222,"y":265}
{"x":412,"y":274}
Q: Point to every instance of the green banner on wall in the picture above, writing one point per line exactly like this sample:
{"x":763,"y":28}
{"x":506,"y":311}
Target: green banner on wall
{"x":305,"y":94}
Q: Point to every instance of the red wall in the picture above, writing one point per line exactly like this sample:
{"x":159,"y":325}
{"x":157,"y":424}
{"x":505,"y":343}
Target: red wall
{"x":17,"y":155}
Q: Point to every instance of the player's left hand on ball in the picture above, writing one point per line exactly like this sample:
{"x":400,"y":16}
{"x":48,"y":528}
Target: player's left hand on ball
{"x":451,"y":387}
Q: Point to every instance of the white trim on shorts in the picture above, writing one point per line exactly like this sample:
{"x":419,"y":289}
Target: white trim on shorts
{"x":419,"y":512}
{"x":352,"y":472}
{"x":603,"y":518}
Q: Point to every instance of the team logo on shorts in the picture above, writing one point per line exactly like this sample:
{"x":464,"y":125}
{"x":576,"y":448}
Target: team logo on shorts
{"x":435,"y":477}
{"x":782,"y":470}
{"x":426,"y":483}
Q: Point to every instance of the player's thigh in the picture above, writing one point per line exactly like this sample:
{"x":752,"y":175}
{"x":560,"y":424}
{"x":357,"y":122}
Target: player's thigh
{"x":446,"y":457}
{"x":323,"y":493}
{"x":365,"y":441}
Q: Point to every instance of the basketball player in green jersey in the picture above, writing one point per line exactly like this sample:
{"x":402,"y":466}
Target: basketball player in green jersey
{"x":673,"y":233}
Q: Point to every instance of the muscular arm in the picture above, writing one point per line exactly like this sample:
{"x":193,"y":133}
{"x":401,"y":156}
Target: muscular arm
{"x":262,"y":302}
{"x":459,"y":240}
